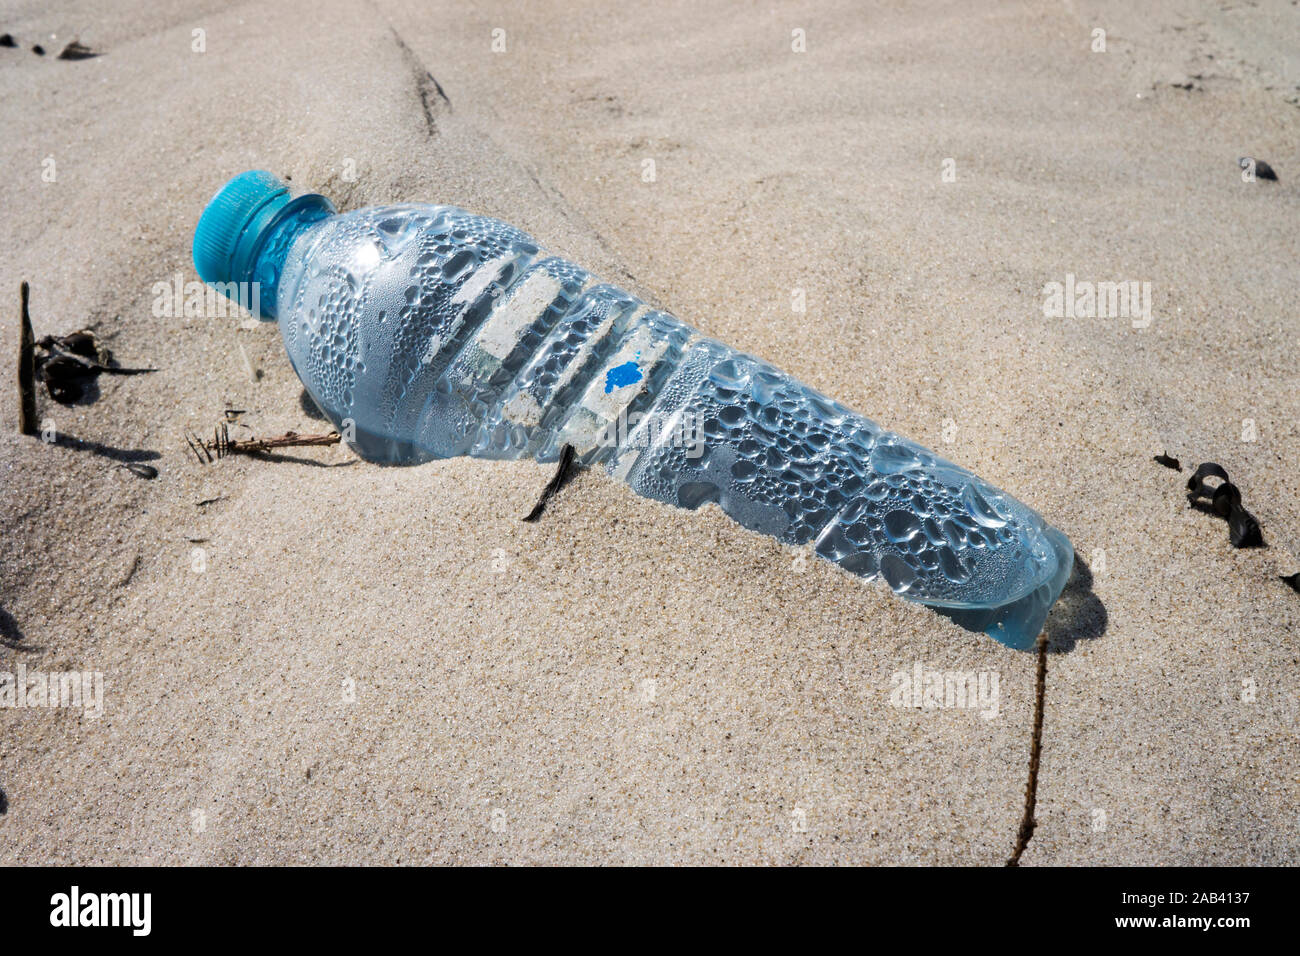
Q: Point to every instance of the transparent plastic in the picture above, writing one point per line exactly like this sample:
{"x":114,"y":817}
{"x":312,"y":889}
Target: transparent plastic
{"x":427,"y":332}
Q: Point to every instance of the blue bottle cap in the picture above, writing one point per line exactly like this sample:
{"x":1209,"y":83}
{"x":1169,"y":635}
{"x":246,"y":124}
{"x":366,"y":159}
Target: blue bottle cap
{"x":231,"y":223}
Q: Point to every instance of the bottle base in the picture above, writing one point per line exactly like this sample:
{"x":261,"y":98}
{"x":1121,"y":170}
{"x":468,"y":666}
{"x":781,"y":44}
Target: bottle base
{"x":1018,"y":624}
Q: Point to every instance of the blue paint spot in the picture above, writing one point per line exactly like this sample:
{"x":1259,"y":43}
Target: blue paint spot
{"x":629,"y":373}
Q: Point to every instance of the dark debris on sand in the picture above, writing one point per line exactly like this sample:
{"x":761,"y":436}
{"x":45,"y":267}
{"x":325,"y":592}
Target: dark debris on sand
{"x":67,"y":365}
{"x":77,"y":51}
{"x":1262,"y":169}
{"x":1224,"y":500}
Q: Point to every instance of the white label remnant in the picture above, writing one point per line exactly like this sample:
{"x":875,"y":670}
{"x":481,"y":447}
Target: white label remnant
{"x":482,"y":277}
{"x":501,"y":332}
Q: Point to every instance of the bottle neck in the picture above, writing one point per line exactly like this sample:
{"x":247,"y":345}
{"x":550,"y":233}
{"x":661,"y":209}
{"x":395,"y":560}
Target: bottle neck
{"x":260,"y":254}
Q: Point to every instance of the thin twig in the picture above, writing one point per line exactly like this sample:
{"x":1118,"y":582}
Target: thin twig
{"x":197,"y":446}
{"x":567,"y":454}
{"x":288,"y":440}
{"x":1027,"y":822}
{"x":221,"y":445}
{"x":26,"y":371}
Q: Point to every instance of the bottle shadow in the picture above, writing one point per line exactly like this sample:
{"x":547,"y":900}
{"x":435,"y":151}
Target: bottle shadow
{"x":1078,"y":614}
{"x":309,"y":408}
{"x":274,"y":456}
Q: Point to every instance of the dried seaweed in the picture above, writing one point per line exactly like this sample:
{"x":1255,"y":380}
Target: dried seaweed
{"x":68,"y":364}
{"x":562,"y":473}
{"x":1224,"y":499}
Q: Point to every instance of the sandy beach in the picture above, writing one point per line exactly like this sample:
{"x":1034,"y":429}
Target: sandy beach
{"x":307,"y":658}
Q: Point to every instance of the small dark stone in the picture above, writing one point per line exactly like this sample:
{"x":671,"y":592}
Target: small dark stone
{"x":75,"y":51}
{"x":8,"y":40}
{"x":1168,"y":462}
{"x":38,"y":50}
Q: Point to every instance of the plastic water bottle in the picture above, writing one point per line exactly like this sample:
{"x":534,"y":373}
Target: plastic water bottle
{"x":427,"y":332}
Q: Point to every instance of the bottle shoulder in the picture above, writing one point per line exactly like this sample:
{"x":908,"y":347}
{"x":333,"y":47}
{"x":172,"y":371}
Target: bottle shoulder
{"x":384,"y":232}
